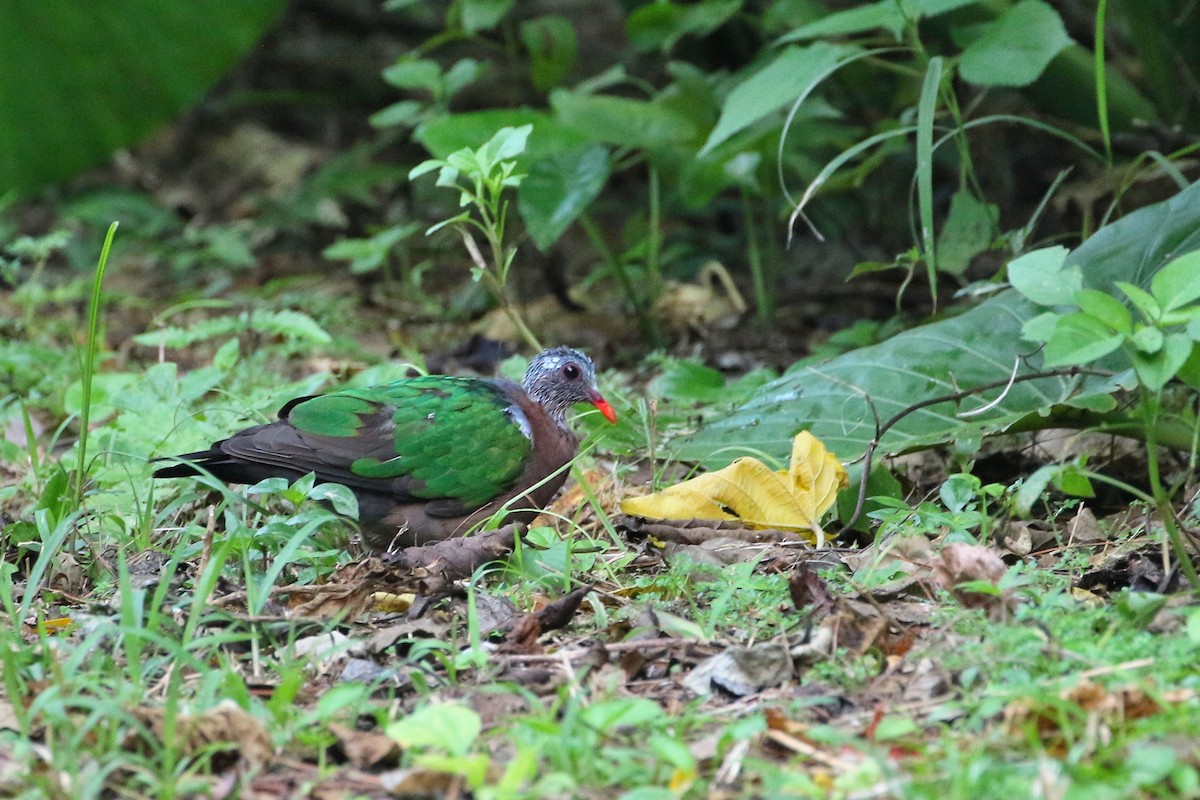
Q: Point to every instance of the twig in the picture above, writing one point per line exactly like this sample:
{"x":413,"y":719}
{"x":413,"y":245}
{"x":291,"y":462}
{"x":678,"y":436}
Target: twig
{"x":880,"y":430}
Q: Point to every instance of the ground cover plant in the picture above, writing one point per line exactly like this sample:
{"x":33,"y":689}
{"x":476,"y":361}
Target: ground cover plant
{"x":1000,"y":600}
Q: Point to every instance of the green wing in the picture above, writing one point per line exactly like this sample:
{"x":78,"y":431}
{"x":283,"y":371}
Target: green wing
{"x":427,"y":438}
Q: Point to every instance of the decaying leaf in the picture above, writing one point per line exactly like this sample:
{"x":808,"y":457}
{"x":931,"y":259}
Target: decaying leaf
{"x":225,"y":729}
{"x":1106,"y":708}
{"x":742,"y":671}
{"x":365,"y":749}
{"x":971,"y":573}
{"x":748,"y":490}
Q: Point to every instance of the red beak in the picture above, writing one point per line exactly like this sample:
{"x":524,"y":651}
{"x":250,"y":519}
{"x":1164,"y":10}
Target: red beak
{"x":599,"y":402}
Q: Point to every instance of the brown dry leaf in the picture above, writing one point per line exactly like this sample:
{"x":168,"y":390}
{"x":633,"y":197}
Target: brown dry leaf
{"x":807,"y":588}
{"x":742,"y":671}
{"x":227,"y":726}
{"x":332,"y":601}
{"x":1104,"y":707}
{"x":429,"y":626}
{"x":421,"y":782}
{"x":1084,"y":528}
{"x":750,"y":491}
{"x":366,"y":749}
{"x":961,"y":563}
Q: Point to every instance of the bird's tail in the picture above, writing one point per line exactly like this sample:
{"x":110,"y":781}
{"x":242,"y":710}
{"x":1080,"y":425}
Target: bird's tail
{"x":188,"y":464}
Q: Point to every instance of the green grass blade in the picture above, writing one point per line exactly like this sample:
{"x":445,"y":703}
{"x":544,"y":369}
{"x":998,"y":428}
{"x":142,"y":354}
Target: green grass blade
{"x":89,"y":362}
{"x":926,"y":110}
{"x":1102,"y":81}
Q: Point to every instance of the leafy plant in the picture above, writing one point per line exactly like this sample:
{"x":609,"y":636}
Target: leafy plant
{"x":481,"y":175}
{"x":1089,"y":325}
{"x":935,"y":369}
{"x":703,"y":135}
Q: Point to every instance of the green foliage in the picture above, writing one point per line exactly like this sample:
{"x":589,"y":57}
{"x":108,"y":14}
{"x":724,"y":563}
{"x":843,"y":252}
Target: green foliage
{"x":294,"y":326}
{"x":772,"y":118}
{"x":1016,"y":48}
{"x":1093,"y":324}
{"x":842,"y":400}
{"x":481,"y":175}
{"x":141,"y":63}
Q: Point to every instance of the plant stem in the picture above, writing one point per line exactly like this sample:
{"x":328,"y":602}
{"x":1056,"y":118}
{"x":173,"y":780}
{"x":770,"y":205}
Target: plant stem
{"x":764,"y":295}
{"x":1162,"y":502}
{"x":617,"y":267}
{"x":654,"y":236}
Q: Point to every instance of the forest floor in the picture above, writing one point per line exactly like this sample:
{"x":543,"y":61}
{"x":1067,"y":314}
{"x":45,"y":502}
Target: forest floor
{"x":187,"y":640}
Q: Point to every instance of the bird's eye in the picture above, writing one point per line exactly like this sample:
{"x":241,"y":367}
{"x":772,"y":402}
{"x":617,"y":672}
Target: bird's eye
{"x":571,"y":371}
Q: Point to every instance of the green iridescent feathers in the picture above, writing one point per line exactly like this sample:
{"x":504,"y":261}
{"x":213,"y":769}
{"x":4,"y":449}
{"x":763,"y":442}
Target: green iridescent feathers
{"x":454,"y":436}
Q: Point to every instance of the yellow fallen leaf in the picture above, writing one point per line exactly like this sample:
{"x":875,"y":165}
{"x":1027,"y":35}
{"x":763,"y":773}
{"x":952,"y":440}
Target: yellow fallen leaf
{"x":816,"y":472}
{"x":390,"y":603}
{"x":748,"y":490}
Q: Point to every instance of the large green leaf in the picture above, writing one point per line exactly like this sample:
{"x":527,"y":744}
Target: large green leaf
{"x":790,"y":75}
{"x":1017,"y":47}
{"x":978,"y":347}
{"x":621,"y":121}
{"x":80,"y":80}
{"x":887,"y":14}
{"x":444,"y":135}
{"x":661,"y":25}
{"x":558,"y":188}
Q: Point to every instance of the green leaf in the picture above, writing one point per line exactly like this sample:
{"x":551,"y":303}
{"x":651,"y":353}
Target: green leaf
{"x":462,"y":73}
{"x":448,"y":134}
{"x":553,"y":48}
{"x":451,"y":727}
{"x":688,"y":382}
{"x":1155,"y":369}
{"x":887,"y":14}
{"x":1105,"y":308}
{"x":419,"y":74}
{"x":621,"y":121}
{"x":1178,"y":283}
{"x":1189,"y":373}
{"x":976,"y":347}
{"x":1072,"y":481}
{"x":505,"y":144}
{"x":481,"y":15}
{"x":1043,"y":277}
{"x":969,"y":230}
{"x":884,"y":14}
{"x":1147,"y":339}
{"x":367,"y":255}
{"x":78,"y":81}
{"x":920,"y":9}
{"x":1032,"y":488}
{"x":558,"y":188}
{"x":1079,"y":339}
{"x":789,"y":76}
{"x":342,"y":499}
{"x":980,"y":346}
{"x":607,"y":715}
{"x":1179,"y":316}
{"x":1016,"y":48}
{"x":1041,"y":327}
{"x":1142,"y":300}
{"x":289,"y":324}
{"x":660,"y":25}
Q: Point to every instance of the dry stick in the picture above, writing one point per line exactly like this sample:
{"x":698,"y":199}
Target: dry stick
{"x":880,"y":430}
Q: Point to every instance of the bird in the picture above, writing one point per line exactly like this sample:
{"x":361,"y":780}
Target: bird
{"x":428,"y":457}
